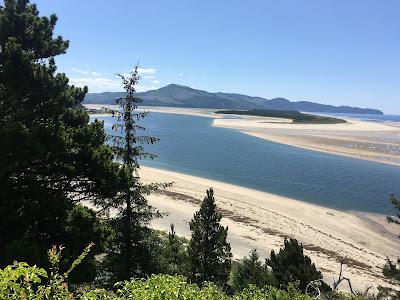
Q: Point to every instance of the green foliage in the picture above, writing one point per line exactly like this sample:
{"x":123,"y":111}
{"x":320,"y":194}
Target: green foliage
{"x":396,"y":205}
{"x":129,"y":255}
{"x":50,"y":156}
{"x":169,"y":253}
{"x":249,"y":271}
{"x":20,"y":281}
{"x":392,"y":269}
{"x":209,"y":252}
{"x":166,"y":287}
{"x":290,"y":265}
{"x":295,"y":116}
{"x":82,"y":225}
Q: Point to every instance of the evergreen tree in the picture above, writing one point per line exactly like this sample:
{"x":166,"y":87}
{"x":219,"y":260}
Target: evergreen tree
{"x":290,"y":265}
{"x":392,"y":269}
{"x":249,"y":271}
{"x":50,"y":156}
{"x":209,"y":252}
{"x":169,"y":253}
{"x":130,"y":255}
{"x":176,"y":255}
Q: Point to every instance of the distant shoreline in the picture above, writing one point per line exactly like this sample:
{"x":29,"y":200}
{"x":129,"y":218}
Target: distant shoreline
{"x":356,"y":139}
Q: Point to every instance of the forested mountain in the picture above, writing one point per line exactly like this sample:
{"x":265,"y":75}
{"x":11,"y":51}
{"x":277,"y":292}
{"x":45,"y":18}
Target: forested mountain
{"x":182,"y":96}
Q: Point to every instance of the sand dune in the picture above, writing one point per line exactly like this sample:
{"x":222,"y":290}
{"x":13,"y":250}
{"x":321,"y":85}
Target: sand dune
{"x":262,"y":220}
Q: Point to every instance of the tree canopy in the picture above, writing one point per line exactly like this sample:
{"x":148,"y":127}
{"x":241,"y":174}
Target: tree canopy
{"x":209,"y":252}
{"x":290,"y":265}
{"x":51,"y":156}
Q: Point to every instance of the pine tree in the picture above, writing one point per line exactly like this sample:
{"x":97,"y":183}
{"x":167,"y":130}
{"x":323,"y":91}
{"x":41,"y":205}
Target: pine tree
{"x":290,"y":265}
{"x":250,"y":271}
{"x":51,"y":157}
{"x":174,"y":251}
{"x":129,"y":256}
{"x":209,"y":252}
{"x":176,"y":254}
{"x":391,"y":270}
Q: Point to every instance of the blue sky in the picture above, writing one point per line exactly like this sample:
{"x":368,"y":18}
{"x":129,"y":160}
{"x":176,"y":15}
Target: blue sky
{"x":342,"y":52}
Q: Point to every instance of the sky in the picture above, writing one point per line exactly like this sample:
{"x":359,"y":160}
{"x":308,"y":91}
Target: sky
{"x":341,"y":52}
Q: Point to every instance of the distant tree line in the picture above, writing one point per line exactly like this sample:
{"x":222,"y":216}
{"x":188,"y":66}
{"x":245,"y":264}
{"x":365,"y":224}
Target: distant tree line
{"x":296,"y":116}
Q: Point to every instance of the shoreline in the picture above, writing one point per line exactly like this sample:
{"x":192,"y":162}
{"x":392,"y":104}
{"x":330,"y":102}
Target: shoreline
{"x":392,"y":161}
{"x":371,"y":141}
{"x":365,"y":140}
{"x":262,"y":220}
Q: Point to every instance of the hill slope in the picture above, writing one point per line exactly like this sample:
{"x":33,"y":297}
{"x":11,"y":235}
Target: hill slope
{"x":183,"y":96}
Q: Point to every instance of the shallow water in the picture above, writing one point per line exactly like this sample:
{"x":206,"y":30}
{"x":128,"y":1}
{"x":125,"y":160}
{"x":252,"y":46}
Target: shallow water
{"x":189,"y":144}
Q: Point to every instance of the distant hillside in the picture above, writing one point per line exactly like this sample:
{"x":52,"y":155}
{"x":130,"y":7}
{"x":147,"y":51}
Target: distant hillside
{"x":182,"y":96}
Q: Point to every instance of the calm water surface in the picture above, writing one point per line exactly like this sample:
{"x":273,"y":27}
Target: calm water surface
{"x":191,"y":145}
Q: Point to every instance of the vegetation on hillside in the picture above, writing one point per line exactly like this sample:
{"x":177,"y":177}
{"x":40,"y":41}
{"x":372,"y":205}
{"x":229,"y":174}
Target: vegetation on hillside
{"x":51,"y":157}
{"x":21,"y":281}
{"x":295,"y":116}
{"x":53,"y":161}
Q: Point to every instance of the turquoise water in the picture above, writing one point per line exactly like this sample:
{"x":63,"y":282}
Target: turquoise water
{"x":191,"y":145}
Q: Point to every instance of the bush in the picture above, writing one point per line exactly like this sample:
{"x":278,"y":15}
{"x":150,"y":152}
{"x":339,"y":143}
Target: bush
{"x":249,"y":271}
{"x":169,"y":254}
{"x":291,"y":265}
{"x":167,"y":287}
{"x":21,"y":281}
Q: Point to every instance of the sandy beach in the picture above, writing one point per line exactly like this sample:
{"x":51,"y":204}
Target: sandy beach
{"x":261,"y":220}
{"x":358,"y":139}
{"x":372,"y":141}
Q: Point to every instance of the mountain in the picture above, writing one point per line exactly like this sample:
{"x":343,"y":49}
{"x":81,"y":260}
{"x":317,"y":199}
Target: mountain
{"x":182,"y":96}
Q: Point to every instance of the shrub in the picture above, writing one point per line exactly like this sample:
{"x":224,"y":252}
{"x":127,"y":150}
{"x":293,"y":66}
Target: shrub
{"x":249,"y":271}
{"x":290,"y":265}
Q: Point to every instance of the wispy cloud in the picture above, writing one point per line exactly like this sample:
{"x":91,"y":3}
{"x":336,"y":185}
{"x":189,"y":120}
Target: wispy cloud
{"x":180,"y":74}
{"x":97,"y":83}
{"x":100,"y":84}
{"x":80,"y":71}
{"x":85,"y":72}
{"x":147,"y":70}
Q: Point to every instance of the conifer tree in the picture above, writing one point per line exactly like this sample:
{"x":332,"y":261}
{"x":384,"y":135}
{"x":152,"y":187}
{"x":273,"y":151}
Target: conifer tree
{"x":391,"y":270}
{"x":290,"y":265}
{"x":250,"y":271}
{"x":174,"y":252}
{"x":209,"y":252}
{"x":51,"y":157}
{"x":129,"y":255}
